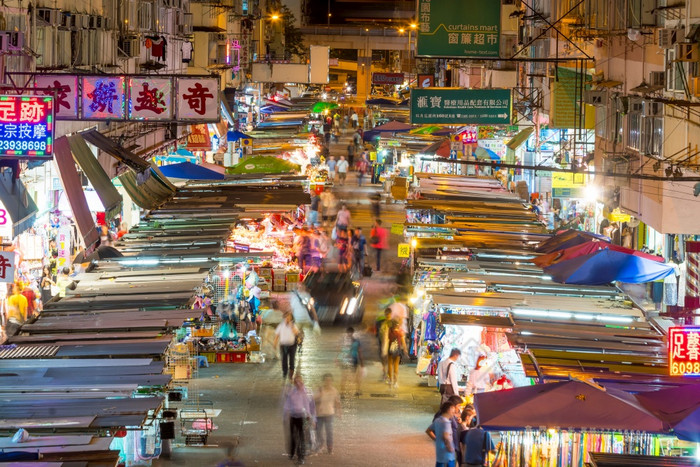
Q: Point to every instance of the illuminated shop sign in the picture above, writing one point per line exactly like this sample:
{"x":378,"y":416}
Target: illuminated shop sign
{"x":26,"y":127}
{"x":684,"y":351}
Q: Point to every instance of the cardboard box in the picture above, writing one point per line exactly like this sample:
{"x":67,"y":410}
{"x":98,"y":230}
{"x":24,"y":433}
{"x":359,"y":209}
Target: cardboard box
{"x":292,"y":277}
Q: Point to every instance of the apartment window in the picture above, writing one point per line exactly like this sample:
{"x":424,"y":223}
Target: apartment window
{"x":145,"y":16}
{"x":639,"y":13}
{"x":617,"y":120}
{"x":675,"y":72}
{"x":634,"y":133}
{"x":601,"y":121}
{"x":652,"y":135}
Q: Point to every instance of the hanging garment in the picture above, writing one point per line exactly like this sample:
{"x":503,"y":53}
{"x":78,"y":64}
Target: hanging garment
{"x":187,"y":49}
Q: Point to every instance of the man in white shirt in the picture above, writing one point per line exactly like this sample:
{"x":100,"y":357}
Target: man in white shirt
{"x":342,"y":169}
{"x":447,"y":375}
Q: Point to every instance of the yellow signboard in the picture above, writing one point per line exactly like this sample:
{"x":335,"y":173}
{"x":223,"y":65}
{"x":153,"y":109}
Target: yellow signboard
{"x":404,"y":250}
{"x":568,"y":180}
{"x":397,"y":229}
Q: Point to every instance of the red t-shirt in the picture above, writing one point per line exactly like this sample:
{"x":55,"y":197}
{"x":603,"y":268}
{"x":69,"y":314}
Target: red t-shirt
{"x":31,"y":301}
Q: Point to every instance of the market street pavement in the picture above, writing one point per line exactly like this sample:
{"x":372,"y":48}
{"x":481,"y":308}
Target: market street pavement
{"x":380,"y":427}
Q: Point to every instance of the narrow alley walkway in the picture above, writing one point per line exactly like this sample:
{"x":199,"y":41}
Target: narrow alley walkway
{"x":377,"y":428}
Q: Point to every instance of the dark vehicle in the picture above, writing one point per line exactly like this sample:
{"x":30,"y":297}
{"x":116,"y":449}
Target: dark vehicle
{"x":334,"y":296}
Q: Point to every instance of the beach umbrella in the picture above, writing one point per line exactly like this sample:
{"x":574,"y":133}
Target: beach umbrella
{"x":320,"y":106}
{"x":567,"y":239}
{"x":566,"y":405}
{"x":678,"y":408}
{"x":263,"y":164}
{"x":587,"y":248}
{"x":439,"y":148}
{"x":605,"y":266}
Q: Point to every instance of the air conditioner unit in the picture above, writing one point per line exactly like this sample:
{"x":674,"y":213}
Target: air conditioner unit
{"x":129,"y":47}
{"x":653,"y":109}
{"x":666,"y":38}
{"x":85,"y":21}
{"x":686,"y":52}
{"x":49,"y":16}
{"x":66,"y":19}
{"x":635,"y":105}
{"x":657,"y":78}
{"x":594,"y":97}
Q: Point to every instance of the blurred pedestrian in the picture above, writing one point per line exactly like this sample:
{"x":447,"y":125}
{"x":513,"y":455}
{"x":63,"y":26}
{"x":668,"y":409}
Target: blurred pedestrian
{"x":312,"y":218}
{"x":342,"y":219}
{"x":441,"y":430}
{"x":376,"y":206}
{"x":30,"y":295}
{"x":362,"y":167}
{"x":351,"y":152}
{"x":64,"y":281}
{"x":397,"y":348}
{"x":351,"y":362}
{"x":327,"y":128}
{"x":382,"y":326}
{"x":354,"y":119}
{"x":331,"y":168}
{"x":448,"y":375}
{"x":342,"y":169}
{"x":45,"y":284}
{"x":327,"y":400}
{"x":16,"y":310}
{"x":298,"y":409}
{"x":357,"y":141}
{"x":359,"y":249}
{"x":286,"y":336}
{"x":476,"y":445}
{"x":379,"y":240}
{"x":342,"y":244}
{"x":455,"y":419}
{"x":329,"y":206}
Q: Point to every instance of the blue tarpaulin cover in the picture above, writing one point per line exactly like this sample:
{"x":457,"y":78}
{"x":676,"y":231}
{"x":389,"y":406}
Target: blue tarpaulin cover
{"x":190,"y":171}
{"x":605,"y":266}
{"x":235,"y":135}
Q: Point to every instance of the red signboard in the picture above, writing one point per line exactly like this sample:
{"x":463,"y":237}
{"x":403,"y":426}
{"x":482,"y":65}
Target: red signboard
{"x":684,"y":351}
{"x":387,"y":78}
{"x":198,"y":139}
{"x":26,"y":127}
{"x":426,"y":81}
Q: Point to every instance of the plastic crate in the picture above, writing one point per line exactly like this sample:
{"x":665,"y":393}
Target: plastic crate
{"x":211,"y":356}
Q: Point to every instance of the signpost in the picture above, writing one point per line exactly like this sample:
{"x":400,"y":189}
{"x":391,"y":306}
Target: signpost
{"x":460,"y":106}
{"x":26,"y":127}
{"x":459,"y":28}
{"x":684,"y":351}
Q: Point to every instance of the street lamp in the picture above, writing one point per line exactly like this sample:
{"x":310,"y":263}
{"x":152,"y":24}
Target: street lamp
{"x":261,"y":48}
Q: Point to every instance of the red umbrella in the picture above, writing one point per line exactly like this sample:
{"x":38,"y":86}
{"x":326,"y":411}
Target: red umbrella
{"x":392,"y":126}
{"x":441,"y":148}
{"x":585,"y":249}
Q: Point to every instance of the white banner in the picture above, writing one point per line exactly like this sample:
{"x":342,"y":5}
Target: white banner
{"x":7,"y":266}
{"x":197,"y":99}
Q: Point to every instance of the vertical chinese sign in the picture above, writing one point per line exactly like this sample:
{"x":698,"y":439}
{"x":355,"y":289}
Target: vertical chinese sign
{"x":7,"y":266}
{"x":197,"y":99}
{"x":199,"y":138}
{"x":64,"y":88}
{"x":26,"y":126}
{"x":459,"y":28}
{"x":150,"y":98}
{"x":103,"y":98}
{"x":684,"y":351}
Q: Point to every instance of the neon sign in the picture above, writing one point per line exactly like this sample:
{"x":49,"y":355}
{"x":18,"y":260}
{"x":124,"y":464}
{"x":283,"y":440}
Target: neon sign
{"x":26,"y":127}
{"x":684,"y":351}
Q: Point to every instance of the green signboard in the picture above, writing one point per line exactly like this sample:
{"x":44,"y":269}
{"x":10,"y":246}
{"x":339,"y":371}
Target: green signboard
{"x":459,"y":28}
{"x":460,"y":106}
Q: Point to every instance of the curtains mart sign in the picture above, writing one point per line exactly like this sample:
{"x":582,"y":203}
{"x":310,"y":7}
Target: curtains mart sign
{"x":459,"y":28}
{"x":460,"y":106}
{"x":132,"y":98}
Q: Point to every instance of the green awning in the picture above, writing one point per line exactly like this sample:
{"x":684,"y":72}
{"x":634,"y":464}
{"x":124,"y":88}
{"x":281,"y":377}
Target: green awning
{"x":110,"y":197}
{"x":149,"y":189}
{"x":519,"y":139}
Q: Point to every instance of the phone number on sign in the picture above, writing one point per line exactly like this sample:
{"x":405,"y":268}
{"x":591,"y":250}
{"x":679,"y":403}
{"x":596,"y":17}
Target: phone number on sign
{"x":685,"y":368}
{"x":23,"y":145}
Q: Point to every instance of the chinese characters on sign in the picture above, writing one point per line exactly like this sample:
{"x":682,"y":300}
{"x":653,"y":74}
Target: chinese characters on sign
{"x":459,"y":28}
{"x":684,"y":351}
{"x":460,"y":106}
{"x":26,"y":126}
{"x":197,"y":99}
{"x":387,"y":78}
{"x":65,"y":89}
{"x":404,"y":250}
{"x":150,"y":99}
{"x":131,"y":97}
{"x":7,"y":266}
{"x":103,"y":98}
{"x":199,"y":139}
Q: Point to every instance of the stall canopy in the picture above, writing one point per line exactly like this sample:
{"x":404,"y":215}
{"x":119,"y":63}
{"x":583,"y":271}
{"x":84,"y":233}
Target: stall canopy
{"x":110,"y":197}
{"x":585,"y":249}
{"x":235,"y":135}
{"x":190,"y":171}
{"x":393,"y":126}
{"x":519,"y":139}
{"x":17,"y":202}
{"x":567,"y":239}
{"x":678,"y":408}
{"x":566,"y":405}
{"x":439,"y":148}
{"x":116,"y":150}
{"x":606,"y":266}
{"x":263,"y":164}
{"x":74,"y":190}
{"x":486,"y":154}
{"x":149,"y":189}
